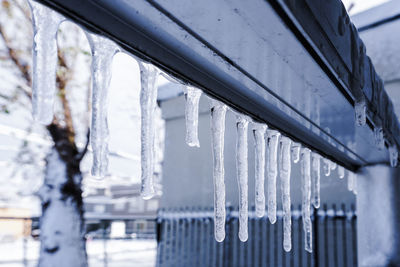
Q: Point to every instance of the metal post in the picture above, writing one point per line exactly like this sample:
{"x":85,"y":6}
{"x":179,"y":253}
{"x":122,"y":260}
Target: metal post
{"x":378,"y":216}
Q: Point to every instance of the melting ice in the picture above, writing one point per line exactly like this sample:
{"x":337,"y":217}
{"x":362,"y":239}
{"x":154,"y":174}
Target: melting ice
{"x":45,"y":26}
{"x":192,"y":96}
{"x":148,"y":102}
{"x":272,"y":172}
{"x":218,"y":112}
{"x":306,"y":198}
{"x":296,"y":152}
{"x":103,"y":51}
{"x":259,"y":141}
{"x":242,"y":174}
{"x":284,"y":173}
{"x":315,"y":179}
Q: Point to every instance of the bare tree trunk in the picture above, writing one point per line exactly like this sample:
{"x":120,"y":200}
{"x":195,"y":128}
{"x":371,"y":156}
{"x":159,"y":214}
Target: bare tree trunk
{"x":61,"y":224}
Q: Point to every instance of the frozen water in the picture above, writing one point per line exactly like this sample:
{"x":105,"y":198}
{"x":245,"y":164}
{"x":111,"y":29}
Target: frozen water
{"x":333,"y":165}
{"x":296,"y":152}
{"x":148,"y":102}
{"x":326,"y":166}
{"x":306,"y":197}
{"x":192,"y":96}
{"x":284,"y":173}
{"x":259,"y":141}
{"x":393,"y":155}
{"x":354,"y":183}
{"x":360,"y":112}
{"x":103,"y":51}
{"x":379,"y":138}
{"x":341,"y":172}
{"x":350,"y":181}
{"x":242,"y":123}
{"x":45,"y":26}
{"x":315,"y":179}
{"x":218,"y":112}
{"x":272,"y":172}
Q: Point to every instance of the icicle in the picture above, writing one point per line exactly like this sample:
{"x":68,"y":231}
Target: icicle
{"x":259,"y":141}
{"x":354,"y":183}
{"x":360,"y":109}
{"x":148,"y":102}
{"x":332,"y":165}
{"x":341,"y":172}
{"x":192,"y":96}
{"x":379,"y":138}
{"x":218,"y":112}
{"x":296,"y":152}
{"x":393,"y":155}
{"x":350,"y":181}
{"x":284,"y":171}
{"x":326,"y":166}
{"x":306,"y":198}
{"x":272,"y":172}
{"x":103,"y":51}
{"x":45,"y":26}
{"x":242,"y":123}
{"x":315,"y":179}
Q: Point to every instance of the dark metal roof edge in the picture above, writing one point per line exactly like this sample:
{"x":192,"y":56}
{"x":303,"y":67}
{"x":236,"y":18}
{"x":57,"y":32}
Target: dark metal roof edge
{"x":363,"y":82}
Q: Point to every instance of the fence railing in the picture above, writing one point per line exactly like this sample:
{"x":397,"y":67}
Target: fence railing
{"x":186,"y":238}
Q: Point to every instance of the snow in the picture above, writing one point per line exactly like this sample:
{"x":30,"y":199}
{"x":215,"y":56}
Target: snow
{"x":192,"y":96}
{"x":306,"y":198}
{"x":103,"y":51}
{"x":285,"y":171}
{"x":218,"y":112}
{"x":148,"y":99}
{"x":45,"y":25}
{"x":272,"y":172}
{"x":360,"y":108}
{"x":242,"y":123}
{"x":122,"y":253}
{"x":259,"y":142}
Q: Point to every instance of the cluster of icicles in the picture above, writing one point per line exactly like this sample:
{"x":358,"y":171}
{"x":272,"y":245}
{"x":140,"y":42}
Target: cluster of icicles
{"x":273,"y":151}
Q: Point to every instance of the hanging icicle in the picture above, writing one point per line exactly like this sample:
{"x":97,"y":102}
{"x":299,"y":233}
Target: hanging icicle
{"x":103,"y":51}
{"x":272,"y":172}
{"x":192,"y":96}
{"x":218,"y":112}
{"x":350,"y":181}
{"x":242,"y":123}
{"x":326,"y":166}
{"x":332,"y":165}
{"x":306,"y":196}
{"x":355,"y":183}
{"x":148,"y":102}
{"x":393,"y":155}
{"x":296,"y":152}
{"x":315,"y":179}
{"x":284,"y":172}
{"x":341,"y":172}
{"x":259,"y":142}
{"x":45,"y":26}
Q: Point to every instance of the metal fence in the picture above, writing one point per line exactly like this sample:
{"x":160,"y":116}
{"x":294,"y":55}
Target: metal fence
{"x":186,"y":238}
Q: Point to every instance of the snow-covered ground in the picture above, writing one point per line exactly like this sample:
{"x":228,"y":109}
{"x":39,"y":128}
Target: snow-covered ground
{"x":119,"y":253}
